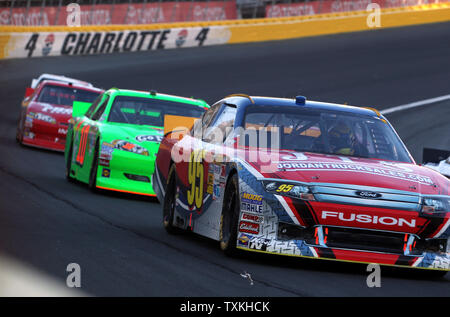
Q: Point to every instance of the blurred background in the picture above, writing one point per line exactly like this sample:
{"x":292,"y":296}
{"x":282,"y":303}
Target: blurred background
{"x":103,"y":12}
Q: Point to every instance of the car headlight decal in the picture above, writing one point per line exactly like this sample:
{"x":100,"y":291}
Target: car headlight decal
{"x":289,"y":189}
{"x":435,"y":204}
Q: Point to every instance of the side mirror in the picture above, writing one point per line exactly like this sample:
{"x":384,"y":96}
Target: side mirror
{"x":79,"y":108}
{"x":28,"y":92}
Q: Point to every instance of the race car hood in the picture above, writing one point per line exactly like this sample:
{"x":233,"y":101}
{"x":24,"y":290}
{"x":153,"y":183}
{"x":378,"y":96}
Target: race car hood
{"x":320,"y":168}
{"x":145,"y":136}
{"x":60,"y":113}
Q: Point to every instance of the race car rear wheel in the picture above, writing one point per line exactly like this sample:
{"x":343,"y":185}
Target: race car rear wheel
{"x":93,"y":173}
{"x":230,"y":217}
{"x":169,"y":202}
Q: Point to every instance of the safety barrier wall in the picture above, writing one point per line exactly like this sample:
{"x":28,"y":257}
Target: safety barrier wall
{"x":22,"y":42}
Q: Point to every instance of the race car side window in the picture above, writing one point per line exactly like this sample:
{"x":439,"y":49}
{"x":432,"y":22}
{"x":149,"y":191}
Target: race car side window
{"x":222,"y":125}
{"x":94,"y":106}
{"x":100,"y":110}
{"x":209,"y":116}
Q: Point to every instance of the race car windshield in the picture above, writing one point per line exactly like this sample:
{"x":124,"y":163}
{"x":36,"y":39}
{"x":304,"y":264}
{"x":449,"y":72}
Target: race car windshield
{"x":58,"y":95}
{"x":326,"y":132}
{"x":147,"y":111}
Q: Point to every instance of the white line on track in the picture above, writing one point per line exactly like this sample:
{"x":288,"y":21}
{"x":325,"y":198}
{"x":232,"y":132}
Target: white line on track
{"x":415,"y":104}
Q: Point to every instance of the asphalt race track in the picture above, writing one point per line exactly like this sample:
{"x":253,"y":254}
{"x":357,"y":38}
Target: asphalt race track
{"x":118,"y":240}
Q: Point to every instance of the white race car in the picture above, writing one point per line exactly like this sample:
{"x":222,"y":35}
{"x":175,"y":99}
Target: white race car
{"x":439,"y":160}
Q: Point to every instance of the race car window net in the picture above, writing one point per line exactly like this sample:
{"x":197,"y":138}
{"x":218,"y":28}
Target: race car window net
{"x":222,"y":126}
{"x":95,"y":104}
{"x":149,"y":111}
{"x":326,"y":132}
{"x":59,"y":95}
{"x":210,"y":115}
{"x":98,"y":113}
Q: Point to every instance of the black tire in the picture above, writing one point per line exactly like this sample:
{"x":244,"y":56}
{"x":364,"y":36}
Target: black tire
{"x":230,"y":217}
{"x":94,"y":168}
{"x":169,"y":202}
{"x":69,"y":164}
{"x":19,"y":130}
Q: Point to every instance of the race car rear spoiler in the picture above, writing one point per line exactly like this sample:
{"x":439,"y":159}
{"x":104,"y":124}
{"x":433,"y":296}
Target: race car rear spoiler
{"x":434,"y":155}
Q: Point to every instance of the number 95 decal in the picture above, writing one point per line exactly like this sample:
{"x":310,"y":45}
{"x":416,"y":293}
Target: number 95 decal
{"x":195,"y":179}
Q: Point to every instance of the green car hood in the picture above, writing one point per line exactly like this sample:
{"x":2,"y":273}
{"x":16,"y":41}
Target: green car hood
{"x":146,"y":136}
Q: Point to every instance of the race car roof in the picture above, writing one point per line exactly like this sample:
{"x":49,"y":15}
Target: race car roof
{"x":72,"y":85}
{"x":154,"y":94}
{"x":59,"y":78}
{"x":244,"y":101}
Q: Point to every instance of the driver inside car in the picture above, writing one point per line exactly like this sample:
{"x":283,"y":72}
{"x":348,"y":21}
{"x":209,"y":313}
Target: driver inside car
{"x":342,"y":139}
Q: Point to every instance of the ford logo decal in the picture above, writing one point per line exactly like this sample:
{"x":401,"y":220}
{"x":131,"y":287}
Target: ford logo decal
{"x":367,"y":194}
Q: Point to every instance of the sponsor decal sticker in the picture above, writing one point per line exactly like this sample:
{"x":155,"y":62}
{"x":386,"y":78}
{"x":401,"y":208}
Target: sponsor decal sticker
{"x":364,"y":218}
{"x":249,"y":227}
{"x":251,"y":203}
{"x":352,"y":167}
{"x":252,"y":198}
{"x":244,"y":239}
{"x":251,"y":207}
{"x":62,"y":131}
{"x":106,"y":172}
{"x":210,"y":184}
{"x":260,"y":243}
{"x":105,"y":154}
{"x":44,"y":117}
{"x":149,"y":138}
{"x":252,"y":217}
{"x":29,"y":120}
{"x":216,"y":191}
{"x":56,"y":110}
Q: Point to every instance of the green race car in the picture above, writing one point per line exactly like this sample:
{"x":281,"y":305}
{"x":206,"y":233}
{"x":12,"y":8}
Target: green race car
{"x":112,"y":143}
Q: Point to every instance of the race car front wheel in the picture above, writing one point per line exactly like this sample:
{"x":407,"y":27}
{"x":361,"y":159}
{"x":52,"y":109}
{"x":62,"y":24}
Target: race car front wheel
{"x":229,"y":218}
{"x":169,"y":202}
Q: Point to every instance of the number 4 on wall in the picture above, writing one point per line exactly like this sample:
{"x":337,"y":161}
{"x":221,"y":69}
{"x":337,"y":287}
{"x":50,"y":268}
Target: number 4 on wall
{"x":31,"y":44}
{"x":202,"y":35}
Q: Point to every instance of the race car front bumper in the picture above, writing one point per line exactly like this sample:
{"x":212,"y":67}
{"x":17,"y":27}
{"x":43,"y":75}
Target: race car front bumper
{"x":342,"y":244}
{"x":45,"y":135}
{"x":326,"y":229}
{"x":127,"y":172}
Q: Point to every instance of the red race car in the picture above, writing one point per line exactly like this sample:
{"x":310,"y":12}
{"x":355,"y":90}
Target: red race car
{"x":46,"y":111}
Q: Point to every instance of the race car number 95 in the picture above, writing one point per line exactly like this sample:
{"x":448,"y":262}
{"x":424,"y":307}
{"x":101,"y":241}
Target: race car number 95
{"x":284,"y":188}
{"x":195,"y":179}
